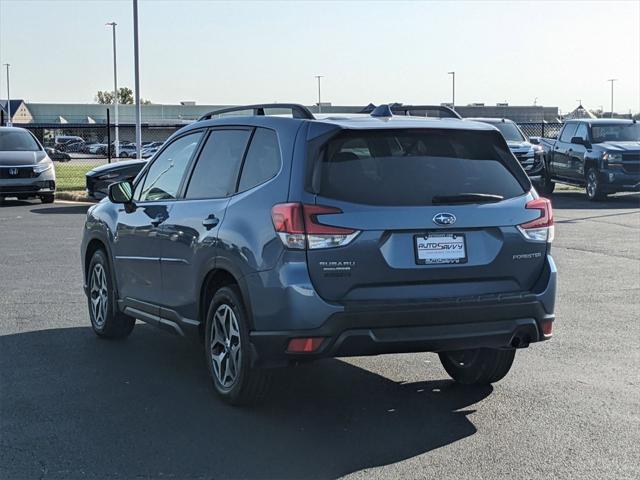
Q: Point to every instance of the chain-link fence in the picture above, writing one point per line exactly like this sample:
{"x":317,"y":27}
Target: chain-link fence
{"x":548,"y":130}
{"x":77,"y":148}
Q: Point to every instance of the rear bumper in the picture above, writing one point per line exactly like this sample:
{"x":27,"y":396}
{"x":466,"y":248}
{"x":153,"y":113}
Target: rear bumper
{"x":488,"y":321}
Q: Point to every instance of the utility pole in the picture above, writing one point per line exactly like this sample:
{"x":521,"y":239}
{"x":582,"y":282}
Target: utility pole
{"x":612,"y":80}
{"x":115,"y":90}
{"x":8,"y":97}
{"x":136,"y":60}
{"x":319,"y":96}
{"x":453,"y":89}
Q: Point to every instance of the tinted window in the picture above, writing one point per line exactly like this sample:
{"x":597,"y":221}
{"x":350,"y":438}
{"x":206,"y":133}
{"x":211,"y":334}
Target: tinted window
{"x":581,"y":131}
{"x":510,"y":131}
{"x":165,"y":174}
{"x":17,"y":141}
{"x":263,"y":159}
{"x":412,"y":167}
{"x":216,"y":172}
{"x":568,"y":131}
{"x":629,"y":132}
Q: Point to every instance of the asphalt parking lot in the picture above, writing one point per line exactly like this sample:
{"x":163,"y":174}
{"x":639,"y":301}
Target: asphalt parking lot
{"x":73,"y":406}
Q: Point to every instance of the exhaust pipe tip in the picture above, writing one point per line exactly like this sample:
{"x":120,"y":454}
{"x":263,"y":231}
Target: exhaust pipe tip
{"x":520,"y":342}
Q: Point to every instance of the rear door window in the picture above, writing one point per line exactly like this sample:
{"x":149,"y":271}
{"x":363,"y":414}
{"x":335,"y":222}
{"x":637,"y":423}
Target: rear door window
{"x":262,"y":161}
{"x":216,"y":172}
{"x":411,"y":167}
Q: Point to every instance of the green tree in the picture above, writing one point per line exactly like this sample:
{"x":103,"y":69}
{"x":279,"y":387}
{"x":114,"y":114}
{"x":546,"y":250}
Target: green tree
{"x":125,"y":97}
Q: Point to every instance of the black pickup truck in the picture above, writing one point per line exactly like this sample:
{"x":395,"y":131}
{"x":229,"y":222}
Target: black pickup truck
{"x":603,"y":155}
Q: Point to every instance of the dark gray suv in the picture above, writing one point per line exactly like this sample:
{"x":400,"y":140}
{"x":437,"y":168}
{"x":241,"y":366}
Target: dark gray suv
{"x":285,"y":238}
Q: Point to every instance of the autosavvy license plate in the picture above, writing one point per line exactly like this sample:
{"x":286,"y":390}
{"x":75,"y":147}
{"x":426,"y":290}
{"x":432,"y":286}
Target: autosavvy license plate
{"x":440,"y":248}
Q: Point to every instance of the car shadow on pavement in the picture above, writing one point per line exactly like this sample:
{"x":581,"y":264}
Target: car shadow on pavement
{"x":67,"y":210}
{"x":76,"y":406}
{"x":17,"y":203}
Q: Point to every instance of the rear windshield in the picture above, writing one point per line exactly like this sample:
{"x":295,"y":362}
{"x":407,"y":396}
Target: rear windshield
{"x":410,"y":167}
{"x":17,"y":141}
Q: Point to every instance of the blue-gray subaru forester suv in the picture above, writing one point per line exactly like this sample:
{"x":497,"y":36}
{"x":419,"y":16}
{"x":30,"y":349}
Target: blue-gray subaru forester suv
{"x":286,"y":238}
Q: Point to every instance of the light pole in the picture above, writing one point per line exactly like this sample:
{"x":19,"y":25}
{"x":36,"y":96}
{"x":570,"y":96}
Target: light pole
{"x":8,"y":97}
{"x":612,"y":80}
{"x":136,"y":61}
{"x":453,"y":89}
{"x":319,"y":96}
{"x":115,"y":88}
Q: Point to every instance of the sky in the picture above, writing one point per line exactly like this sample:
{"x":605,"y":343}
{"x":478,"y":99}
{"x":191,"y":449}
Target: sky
{"x":551,"y":53}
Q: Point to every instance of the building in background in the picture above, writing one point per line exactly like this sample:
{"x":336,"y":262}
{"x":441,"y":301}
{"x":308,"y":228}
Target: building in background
{"x":188,"y":111}
{"x":20,"y":113}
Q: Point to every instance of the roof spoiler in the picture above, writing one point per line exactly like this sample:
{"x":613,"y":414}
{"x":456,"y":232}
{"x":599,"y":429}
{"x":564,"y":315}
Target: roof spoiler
{"x":297,"y":110}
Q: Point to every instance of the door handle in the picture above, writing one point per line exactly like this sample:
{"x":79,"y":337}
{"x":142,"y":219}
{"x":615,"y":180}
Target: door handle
{"x":570,"y":150}
{"x":210,"y":222}
{"x":157,"y":221}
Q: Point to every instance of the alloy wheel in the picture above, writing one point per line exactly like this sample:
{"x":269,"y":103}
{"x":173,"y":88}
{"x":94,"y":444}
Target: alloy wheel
{"x":99,"y":295}
{"x":225,"y":346}
{"x":592,"y":184}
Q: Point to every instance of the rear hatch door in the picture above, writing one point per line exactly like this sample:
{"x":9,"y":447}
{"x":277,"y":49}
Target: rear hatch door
{"x":437,"y":212}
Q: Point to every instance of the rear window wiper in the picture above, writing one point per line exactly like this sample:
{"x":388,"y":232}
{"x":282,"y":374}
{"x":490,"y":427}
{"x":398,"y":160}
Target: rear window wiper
{"x":466,"y":198}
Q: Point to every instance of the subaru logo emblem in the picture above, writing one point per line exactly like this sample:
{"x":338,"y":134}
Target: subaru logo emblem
{"x":444,"y":219}
{"x":13,"y":171}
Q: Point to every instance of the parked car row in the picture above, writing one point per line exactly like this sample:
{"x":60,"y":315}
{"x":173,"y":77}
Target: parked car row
{"x":602,"y":155}
{"x":126,"y":149}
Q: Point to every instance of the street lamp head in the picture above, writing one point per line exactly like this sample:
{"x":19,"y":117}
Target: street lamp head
{"x":110,"y":24}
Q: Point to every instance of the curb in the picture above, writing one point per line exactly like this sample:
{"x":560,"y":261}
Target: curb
{"x":74,"y":197}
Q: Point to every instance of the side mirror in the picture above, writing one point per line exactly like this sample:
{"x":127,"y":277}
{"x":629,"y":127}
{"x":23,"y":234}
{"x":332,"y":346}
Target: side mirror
{"x":534,"y":140}
{"x":578,"y":140}
{"x":120,"y":192}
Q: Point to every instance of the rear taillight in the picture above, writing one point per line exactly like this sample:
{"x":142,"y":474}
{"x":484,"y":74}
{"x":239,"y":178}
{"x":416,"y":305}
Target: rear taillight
{"x":298,"y":226}
{"x":541,"y":229}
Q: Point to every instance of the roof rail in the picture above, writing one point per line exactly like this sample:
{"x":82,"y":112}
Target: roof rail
{"x":297,"y":110}
{"x":439,"y":111}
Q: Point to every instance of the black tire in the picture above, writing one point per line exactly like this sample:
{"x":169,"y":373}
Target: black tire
{"x":123,"y":155}
{"x":48,"y":198}
{"x":546,"y":186}
{"x":249,"y":384}
{"x":480,"y":366}
{"x":106,"y":320}
{"x":594,"y":186}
